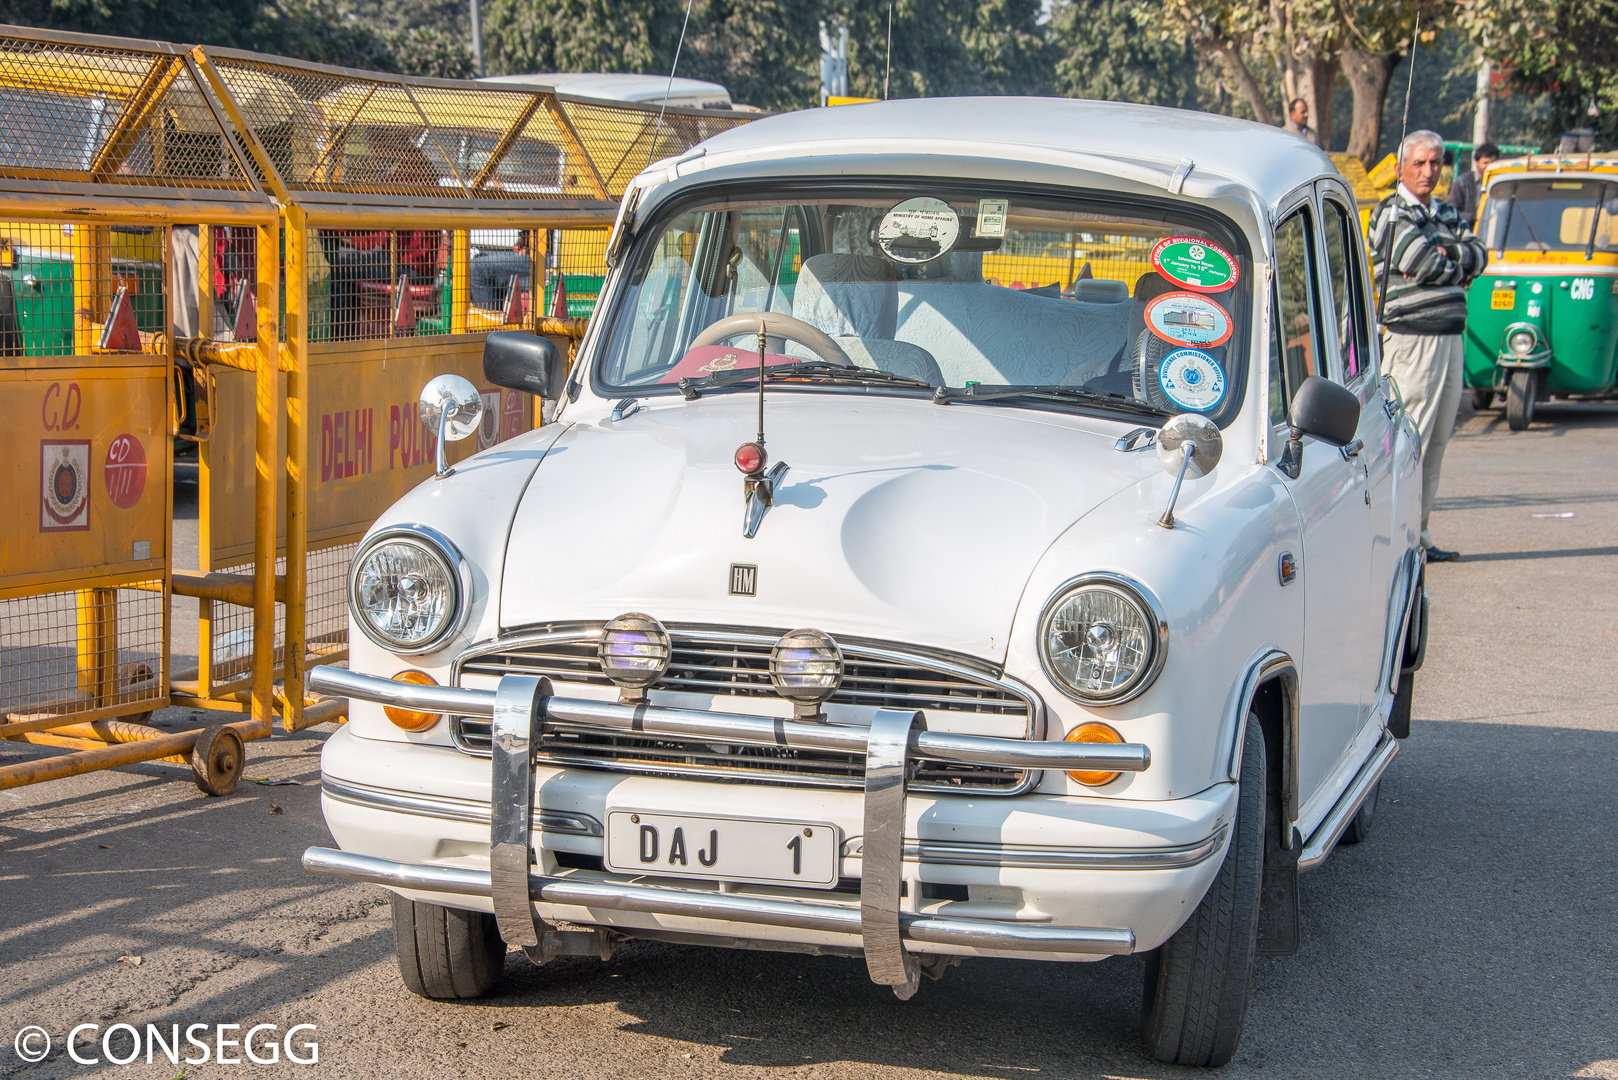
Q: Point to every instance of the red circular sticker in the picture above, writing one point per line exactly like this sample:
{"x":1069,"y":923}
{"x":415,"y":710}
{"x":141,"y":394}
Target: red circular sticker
{"x":1193,"y":263}
{"x":125,"y":471}
{"x":1184,"y":318}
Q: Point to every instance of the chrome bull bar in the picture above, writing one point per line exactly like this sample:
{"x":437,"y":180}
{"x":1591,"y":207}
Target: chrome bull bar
{"x":523,"y":705}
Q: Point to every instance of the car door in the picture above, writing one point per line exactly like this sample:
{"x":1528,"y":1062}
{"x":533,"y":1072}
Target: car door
{"x":1348,"y":335}
{"x":1329,"y":493}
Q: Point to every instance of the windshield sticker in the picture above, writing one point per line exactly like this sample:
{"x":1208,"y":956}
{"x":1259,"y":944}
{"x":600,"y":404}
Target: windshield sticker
{"x":918,"y":230}
{"x":991,"y":221}
{"x":1193,"y":263}
{"x":1192,"y":380}
{"x":1183,"y":318}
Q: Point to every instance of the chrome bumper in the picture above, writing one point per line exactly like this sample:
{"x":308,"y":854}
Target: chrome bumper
{"x":521,"y":707}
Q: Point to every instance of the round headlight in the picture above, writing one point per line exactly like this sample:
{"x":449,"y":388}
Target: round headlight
{"x":406,"y":590}
{"x":634,"y":652}
{"x":1521,"y":341}
{"x":1101,"y":639}
{"x":806,"y":667}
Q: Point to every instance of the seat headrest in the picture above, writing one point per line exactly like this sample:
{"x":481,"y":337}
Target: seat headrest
{"x":1100,"y":291}
{"x":1151,"y":285}
{"x":848,"y":295}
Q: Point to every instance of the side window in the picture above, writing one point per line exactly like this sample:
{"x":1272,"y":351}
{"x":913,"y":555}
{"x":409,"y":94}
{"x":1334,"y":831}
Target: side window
{"x":1348,"y":300}
{"x":1296,"y":339}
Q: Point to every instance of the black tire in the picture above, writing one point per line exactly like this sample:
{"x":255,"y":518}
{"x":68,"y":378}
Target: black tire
{"x":446,"y":953}
{"x":1520,"y":396}
{"x":1482,"y":399}
{"x":1359,"y":827}
{"x":1196,"y":982}
{"x":1399,"y":718}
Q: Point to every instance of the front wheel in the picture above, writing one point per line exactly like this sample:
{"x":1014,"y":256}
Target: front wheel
{"x":1482,"y":399}
{"x":444,"y":952}
{"x":1520,"y":399}
{"x":1197,"y":980}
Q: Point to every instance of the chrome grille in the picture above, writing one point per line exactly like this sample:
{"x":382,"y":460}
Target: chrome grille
{"x":735,"y":663}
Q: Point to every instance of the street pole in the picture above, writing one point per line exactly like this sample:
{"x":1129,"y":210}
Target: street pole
{"x":1480,"y":120}
{"x":477,"y":40}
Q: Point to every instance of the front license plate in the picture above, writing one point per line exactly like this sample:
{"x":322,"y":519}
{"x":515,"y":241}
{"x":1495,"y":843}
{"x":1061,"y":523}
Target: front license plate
{"x":1503,"y":299}
{"x":723,"y":849}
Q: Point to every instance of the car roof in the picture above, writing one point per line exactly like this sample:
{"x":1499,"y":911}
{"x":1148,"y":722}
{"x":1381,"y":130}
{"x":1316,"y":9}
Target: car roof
{"x":620,"y":87}
{"x":1269,"y":160}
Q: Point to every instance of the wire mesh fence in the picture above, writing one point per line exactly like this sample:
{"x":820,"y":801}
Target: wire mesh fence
{"x":51,"y":270}
{"x":115,"y":116}
{"x":87,"y":650}
{"x":325,"y":618}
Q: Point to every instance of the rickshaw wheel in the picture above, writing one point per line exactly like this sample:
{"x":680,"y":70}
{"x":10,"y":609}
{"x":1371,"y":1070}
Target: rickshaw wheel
{"x":1520,"y":400}
{"x":1482,"y":399}
{"x":216,"y":760}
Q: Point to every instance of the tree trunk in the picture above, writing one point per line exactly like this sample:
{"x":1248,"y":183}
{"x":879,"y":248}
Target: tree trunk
{"x":1368,"y":75}
{"x":1232,"y":56}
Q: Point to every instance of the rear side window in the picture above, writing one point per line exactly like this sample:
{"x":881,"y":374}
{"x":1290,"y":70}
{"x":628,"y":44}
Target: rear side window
{"x":1347,"y":299}
{"x":1296,"y":338}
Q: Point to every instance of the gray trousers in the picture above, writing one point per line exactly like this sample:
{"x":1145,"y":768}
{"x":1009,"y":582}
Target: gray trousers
{"x":1427,"y":368}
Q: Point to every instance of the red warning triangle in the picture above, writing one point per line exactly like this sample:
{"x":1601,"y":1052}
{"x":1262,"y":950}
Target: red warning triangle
{"x":515,"y":308}
{"x":119,"y":332}
{"x":559,"y":305}
{"x":404,"y":308}
{"x":246,"y":314}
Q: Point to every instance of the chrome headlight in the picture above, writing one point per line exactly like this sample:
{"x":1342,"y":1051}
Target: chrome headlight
{"x":408,"y":589}
{"x":1102,"y":639}
{"x":1522,"y":339}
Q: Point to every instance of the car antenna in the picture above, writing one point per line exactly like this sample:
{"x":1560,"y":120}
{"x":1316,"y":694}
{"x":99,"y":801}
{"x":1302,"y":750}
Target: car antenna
{"x":758,"y":485}
{"x":887,"y":75}
{"x":652,"y":149}
{"x":1404,"y":126}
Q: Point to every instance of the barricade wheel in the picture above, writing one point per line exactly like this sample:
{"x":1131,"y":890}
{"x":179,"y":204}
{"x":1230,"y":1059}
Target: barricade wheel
{"x":136,"y":675}
{"x":216,"y":760}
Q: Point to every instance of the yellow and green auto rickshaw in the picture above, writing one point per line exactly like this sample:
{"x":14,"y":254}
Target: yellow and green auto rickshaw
{"x":1540,"y":320}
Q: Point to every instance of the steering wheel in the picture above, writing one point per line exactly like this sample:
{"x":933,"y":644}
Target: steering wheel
{"x":776,"y":325}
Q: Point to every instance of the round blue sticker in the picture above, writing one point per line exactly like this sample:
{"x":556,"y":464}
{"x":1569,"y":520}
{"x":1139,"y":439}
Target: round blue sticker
{"x":1192,"y":379}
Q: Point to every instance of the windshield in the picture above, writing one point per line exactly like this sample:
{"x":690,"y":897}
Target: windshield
{"x":1551,"y":215}
{"x":1138,"y":304}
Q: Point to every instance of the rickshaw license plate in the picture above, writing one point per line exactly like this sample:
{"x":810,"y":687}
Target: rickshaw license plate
{"x":1503,"y":299}
{"x":723,"y":849}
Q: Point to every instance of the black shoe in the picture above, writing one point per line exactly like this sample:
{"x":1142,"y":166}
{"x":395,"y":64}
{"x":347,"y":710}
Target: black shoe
{"x":1437,"y":554}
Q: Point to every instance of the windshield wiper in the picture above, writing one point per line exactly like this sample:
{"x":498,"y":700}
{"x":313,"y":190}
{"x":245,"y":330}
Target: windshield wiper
{"x":691,"y":389}
{"x":944,"y":395}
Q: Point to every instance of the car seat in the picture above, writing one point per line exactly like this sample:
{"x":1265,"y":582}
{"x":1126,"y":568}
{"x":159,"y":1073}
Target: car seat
{"x":854,"y":299}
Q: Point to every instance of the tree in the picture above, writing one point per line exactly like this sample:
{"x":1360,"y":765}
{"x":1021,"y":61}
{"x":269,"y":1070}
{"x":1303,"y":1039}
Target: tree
{"x":636,"y":36}
{"x":765,"y":52}
{"x":1227,"y":29}
{"x":1379,"y":34}
{"x":1105,"y":53}
{"x":945,"y":47}
{"x":1567,"y":49}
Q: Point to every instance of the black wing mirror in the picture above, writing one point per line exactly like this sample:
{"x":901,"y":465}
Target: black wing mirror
{"x":524,"y":362}
{"x":1324,"y":410}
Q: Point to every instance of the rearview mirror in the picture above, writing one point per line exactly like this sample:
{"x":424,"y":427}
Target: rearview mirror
{"x":1329,"y":412}
{"x":523,"y":362}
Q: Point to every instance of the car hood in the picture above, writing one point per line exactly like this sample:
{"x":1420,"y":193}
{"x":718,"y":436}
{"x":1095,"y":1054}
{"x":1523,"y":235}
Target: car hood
{"x":898,"y":519}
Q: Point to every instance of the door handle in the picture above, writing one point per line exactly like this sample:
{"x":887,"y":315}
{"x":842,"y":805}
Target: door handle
{"x":1352,"y":450}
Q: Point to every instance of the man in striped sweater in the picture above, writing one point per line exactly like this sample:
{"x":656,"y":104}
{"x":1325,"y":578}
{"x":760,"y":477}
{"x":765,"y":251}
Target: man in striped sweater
{"x":1432,"y":255}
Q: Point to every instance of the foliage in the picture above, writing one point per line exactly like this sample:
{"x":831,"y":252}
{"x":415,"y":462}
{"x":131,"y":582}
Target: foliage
{"x":579,"y":35}
{"x":945,"y":47}
{"x":765,"y":52}
{"x":1567,"y":49}
{"x":1104,"y":52}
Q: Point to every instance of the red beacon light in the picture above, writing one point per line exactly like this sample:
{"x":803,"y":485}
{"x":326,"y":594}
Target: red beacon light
{"x":751,"y":458}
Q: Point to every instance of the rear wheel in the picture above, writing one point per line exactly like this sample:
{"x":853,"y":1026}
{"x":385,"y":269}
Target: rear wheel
{"x":1197,"y":980}
{"x":1359,"y":827}
{"x":1520,"y":399}
{"x":445,"y":952}
{"x":1482,"y":399}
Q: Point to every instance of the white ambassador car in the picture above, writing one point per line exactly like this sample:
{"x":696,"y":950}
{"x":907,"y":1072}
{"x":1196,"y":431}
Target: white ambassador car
{"x":1047,"y":623}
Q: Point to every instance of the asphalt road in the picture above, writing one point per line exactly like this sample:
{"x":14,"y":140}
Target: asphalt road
{"x":1472,"y":936}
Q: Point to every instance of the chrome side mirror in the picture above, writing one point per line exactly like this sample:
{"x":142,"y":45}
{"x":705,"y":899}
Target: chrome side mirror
{"x":451,"y":406}
{"x":1188,"y":443}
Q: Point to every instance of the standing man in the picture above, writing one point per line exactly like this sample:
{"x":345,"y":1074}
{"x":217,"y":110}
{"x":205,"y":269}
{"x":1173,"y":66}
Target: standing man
{"x":1467,"y":191}
{"x":1298,"y":121}
{"x":1429,"y":255}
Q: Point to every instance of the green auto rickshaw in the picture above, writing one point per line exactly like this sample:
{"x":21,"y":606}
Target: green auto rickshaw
{"x":1540,"y":320}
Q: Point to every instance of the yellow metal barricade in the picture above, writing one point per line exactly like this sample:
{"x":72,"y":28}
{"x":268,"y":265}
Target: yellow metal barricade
{"x":109,"y":147}
{"x":269,"y":258}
